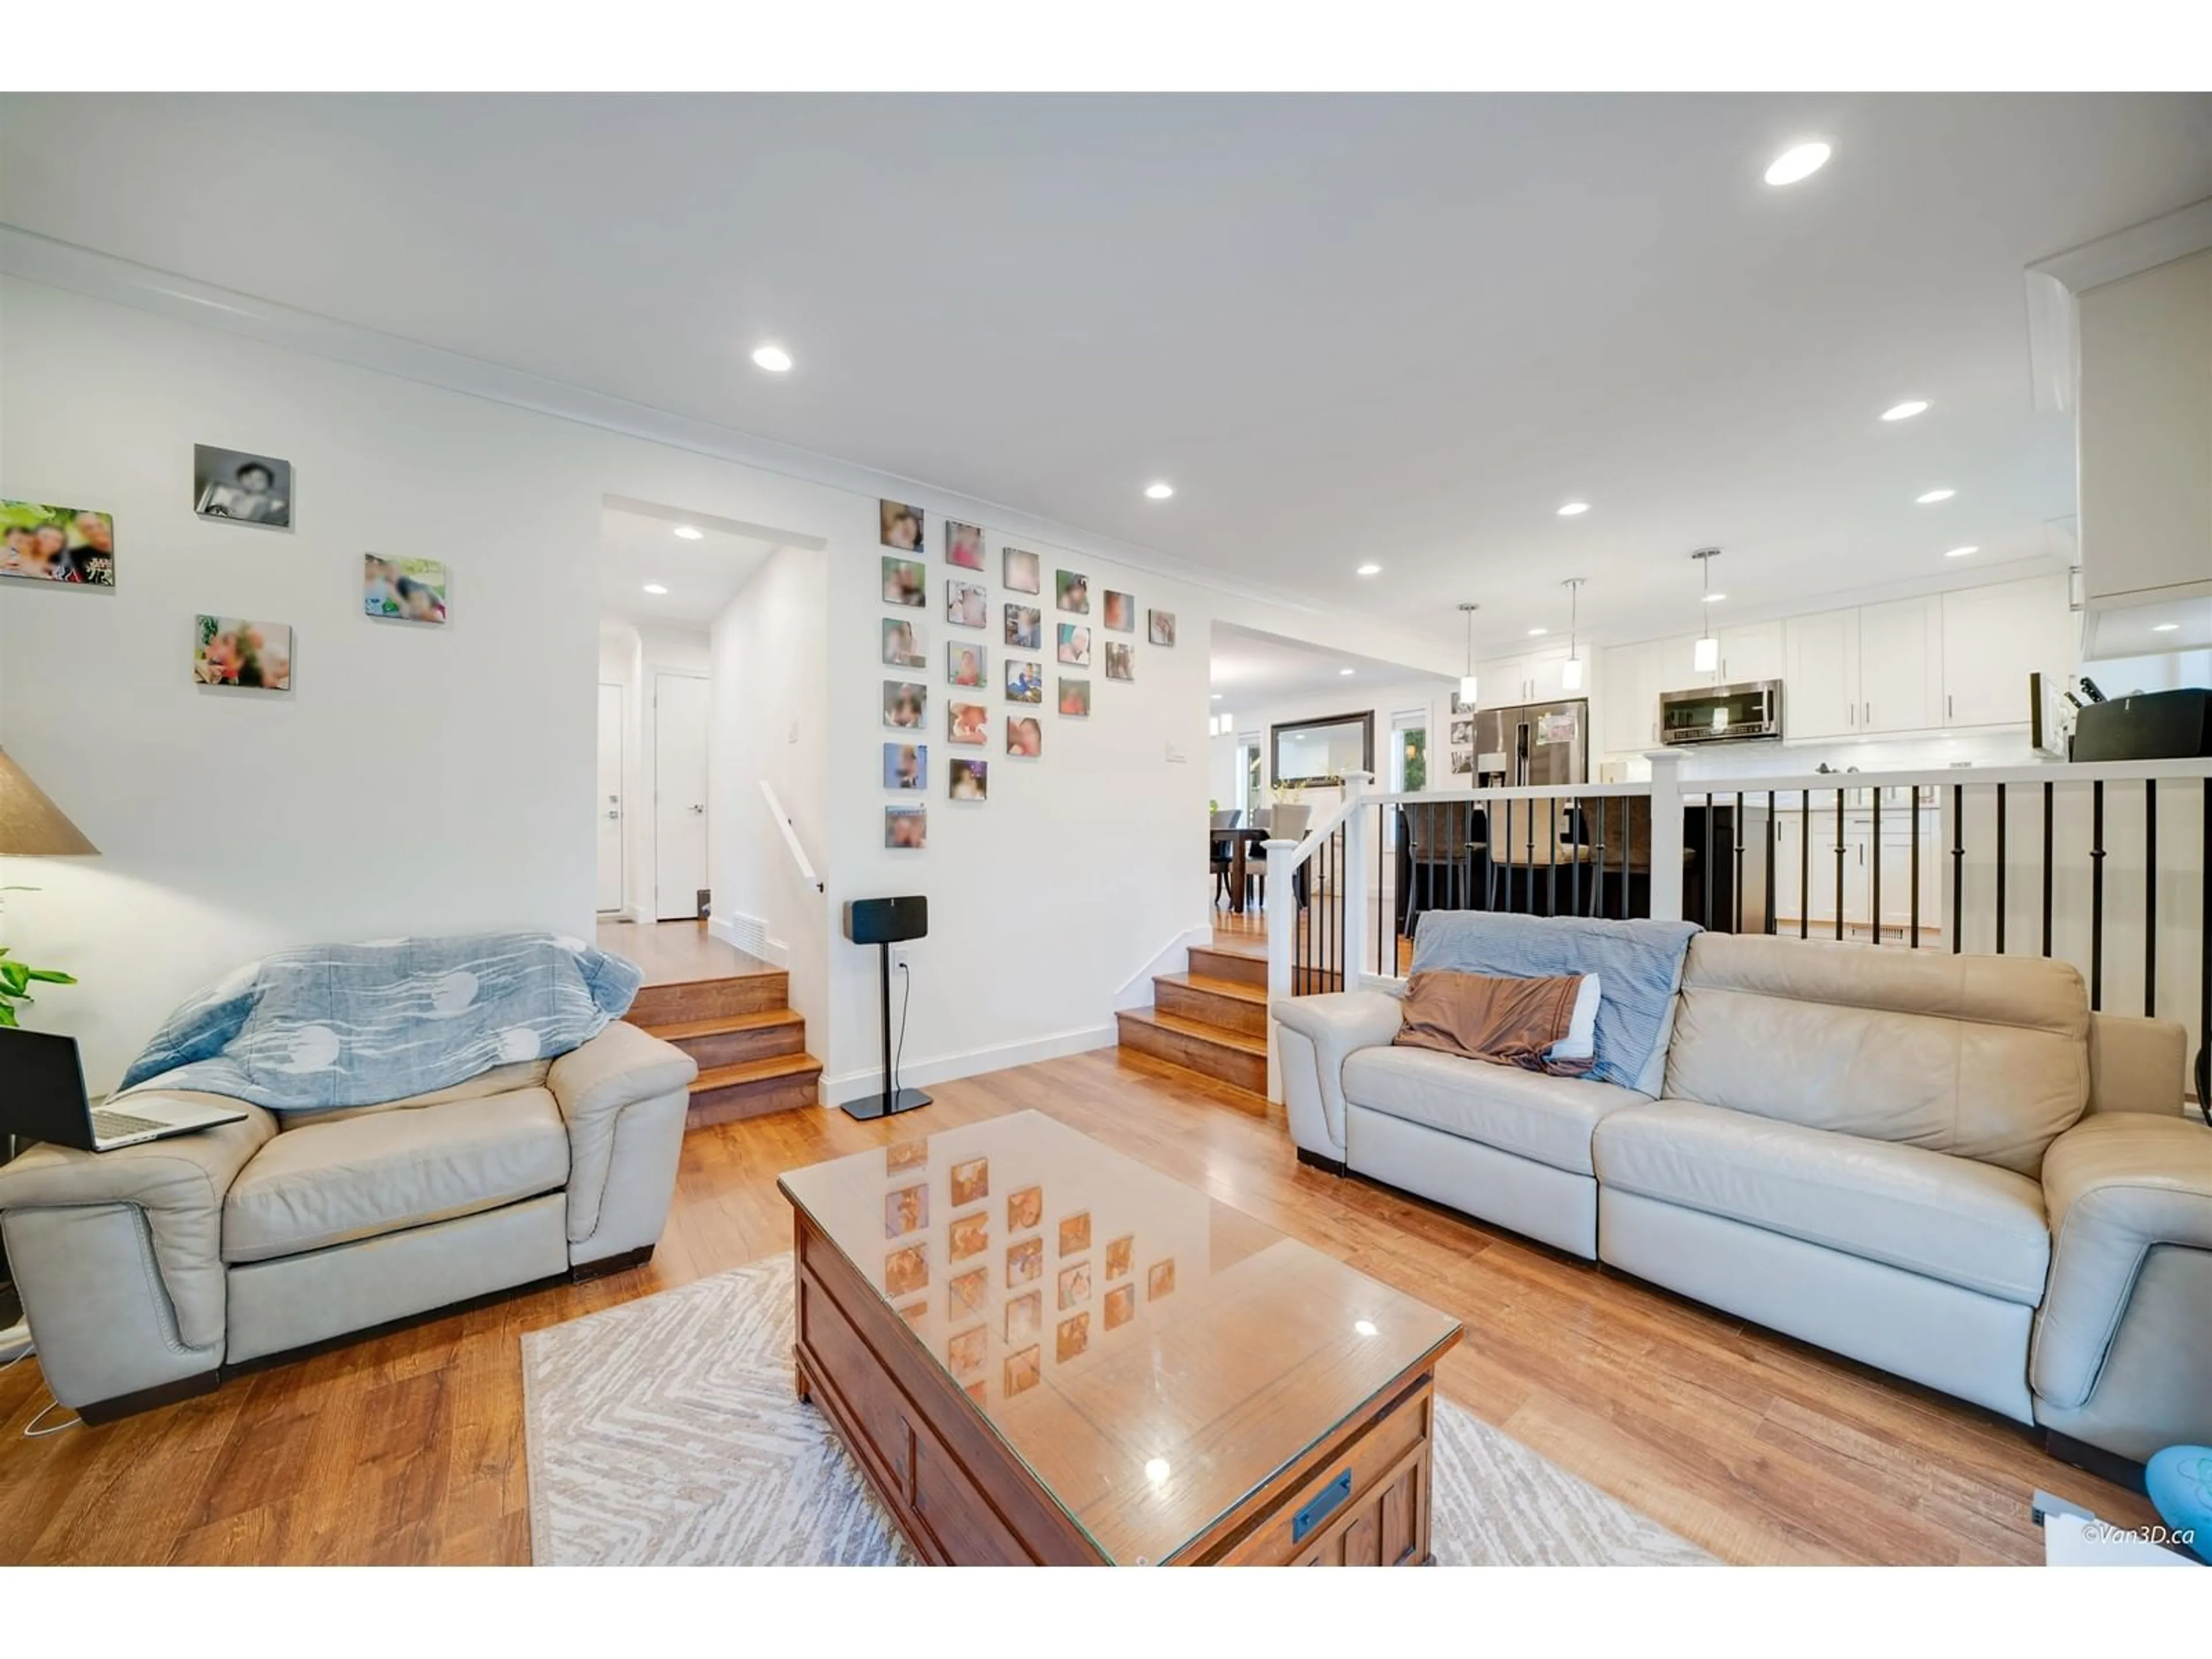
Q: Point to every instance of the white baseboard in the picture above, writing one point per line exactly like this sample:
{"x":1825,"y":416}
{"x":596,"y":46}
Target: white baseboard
{"x":943,"y":1068}
{"x":1137,"y":992}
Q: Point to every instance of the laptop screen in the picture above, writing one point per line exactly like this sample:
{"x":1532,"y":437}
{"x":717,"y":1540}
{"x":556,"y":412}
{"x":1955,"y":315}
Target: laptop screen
{"x":42,"y":1089}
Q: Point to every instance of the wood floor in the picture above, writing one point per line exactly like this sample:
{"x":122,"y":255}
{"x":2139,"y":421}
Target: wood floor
{"x":409,"y":1448}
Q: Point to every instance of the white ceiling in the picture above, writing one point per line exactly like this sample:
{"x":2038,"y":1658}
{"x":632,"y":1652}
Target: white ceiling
{"x":701,"y":576}
{"x":1248,"y":669}
{"x":1404,"y":328}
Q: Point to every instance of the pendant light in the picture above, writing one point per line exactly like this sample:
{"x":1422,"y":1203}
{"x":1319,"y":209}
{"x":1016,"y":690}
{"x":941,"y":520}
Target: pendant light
{"x":1708,"y":658}
{"x":1571,"y":673}
{"x":1466,"y":686}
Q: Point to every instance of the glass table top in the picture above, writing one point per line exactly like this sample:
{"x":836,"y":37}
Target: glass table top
{"x":1152,"y":1355}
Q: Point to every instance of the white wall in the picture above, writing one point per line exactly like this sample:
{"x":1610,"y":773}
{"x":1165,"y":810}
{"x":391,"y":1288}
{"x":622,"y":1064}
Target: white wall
{"x":415,"y":779}
{"x":1383,"y":702}
{"x":435,"y":780}
{"x":771,"y":720}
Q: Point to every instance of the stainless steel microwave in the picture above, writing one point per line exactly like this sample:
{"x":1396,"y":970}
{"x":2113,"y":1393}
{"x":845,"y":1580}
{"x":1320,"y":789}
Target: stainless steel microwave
{"x":1722,"y":713}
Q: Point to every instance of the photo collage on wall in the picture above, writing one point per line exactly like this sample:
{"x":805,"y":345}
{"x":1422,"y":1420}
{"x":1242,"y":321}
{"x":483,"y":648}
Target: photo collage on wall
{"x":987,"y":705}
{"x":75,"y":546}
{"x":1053,"y":1286}
{"x":1460,"y":748}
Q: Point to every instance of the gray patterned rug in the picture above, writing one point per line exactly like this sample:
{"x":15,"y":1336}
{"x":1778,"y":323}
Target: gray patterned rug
{"x":664,"y":1432}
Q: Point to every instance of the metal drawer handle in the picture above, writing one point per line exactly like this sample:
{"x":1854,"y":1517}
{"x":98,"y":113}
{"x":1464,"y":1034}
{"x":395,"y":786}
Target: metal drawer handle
{"x":1322,"y":1504}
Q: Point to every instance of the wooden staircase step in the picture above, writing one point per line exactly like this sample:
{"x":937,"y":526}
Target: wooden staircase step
{"x":774,"y":1083}
{"x":1225,"y":1056}
{"x":685,"y":1001}
{"x":730,"y":1039}
{"x":1237,"y":967}
{"x":1223,"y":1003}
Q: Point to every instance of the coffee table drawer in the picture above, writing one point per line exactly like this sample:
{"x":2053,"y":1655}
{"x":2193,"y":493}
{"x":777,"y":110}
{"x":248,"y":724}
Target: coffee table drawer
{"x":1350,"y":1484}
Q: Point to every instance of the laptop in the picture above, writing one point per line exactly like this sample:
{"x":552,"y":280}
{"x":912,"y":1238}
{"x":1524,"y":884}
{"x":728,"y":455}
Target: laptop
{"x":42,"y":1097}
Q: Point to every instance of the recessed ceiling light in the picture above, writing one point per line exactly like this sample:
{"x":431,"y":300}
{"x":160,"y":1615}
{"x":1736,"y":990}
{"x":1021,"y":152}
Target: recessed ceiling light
{"x":1961,"y":552}
{"x":1344,"y":671}
{"x":1217,"y":696}
{"x":1536,"y":633}
{"x":1156,"y":1469}
{"x":688,"y":533}
{"x":1370,"y":570}
{"x":1798,"y":161}
{"x":1712,"y":599}
{"x":2164,"y":628}
{"x":654,"y":588}
{"x":1160,"y":492}
{"x":1933,"y":496}
{"x":1906,"y":410}
{"x":1363,"y":1327}
{"x":1574,"y":509}
{"x":774,"y":359}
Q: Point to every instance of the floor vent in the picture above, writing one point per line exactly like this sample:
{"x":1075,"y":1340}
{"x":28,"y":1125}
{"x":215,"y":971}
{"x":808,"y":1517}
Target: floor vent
{"x":749,"y":935}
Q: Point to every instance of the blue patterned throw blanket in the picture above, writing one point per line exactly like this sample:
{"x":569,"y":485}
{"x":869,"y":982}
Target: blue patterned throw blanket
{"x":341,"y":1025}
{"x":1639,"y":966}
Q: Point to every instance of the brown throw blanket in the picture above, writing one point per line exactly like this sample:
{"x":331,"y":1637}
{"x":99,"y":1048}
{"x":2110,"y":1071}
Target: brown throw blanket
{"x":1506,"y":1021}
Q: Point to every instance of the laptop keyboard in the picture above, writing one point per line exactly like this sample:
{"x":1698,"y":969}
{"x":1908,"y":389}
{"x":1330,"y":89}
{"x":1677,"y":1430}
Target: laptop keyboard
{"x":113,"y":1126}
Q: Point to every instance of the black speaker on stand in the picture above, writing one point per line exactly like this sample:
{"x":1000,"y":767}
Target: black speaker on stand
{"x":885,"y":922}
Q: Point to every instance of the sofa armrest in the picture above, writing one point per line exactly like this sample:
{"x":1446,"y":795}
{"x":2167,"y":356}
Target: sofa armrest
{"x":1318,"y":1035}
{"x":118,"y":1256}
{"x":623,"y":1096}
{"x":2115,"y":1186}
{"x":2138,"y":1064}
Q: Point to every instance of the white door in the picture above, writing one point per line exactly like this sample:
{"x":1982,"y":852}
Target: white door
{"x":1820,"y":675}
{"x":679,"y":793}
{"x":1901,"y":665}
{"x":1993,"y":639}
{"x":608,"y":803}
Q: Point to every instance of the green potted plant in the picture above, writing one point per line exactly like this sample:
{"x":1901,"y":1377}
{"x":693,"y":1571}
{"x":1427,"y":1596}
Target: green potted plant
{"x":16,"y":978}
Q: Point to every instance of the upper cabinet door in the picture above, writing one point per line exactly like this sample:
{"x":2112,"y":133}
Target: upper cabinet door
{"x":1547,"y":671}
{"x":1752,"y":653}
{"x":1901,"y":665}
{"x":1993,"y":639}
{"x":1502,"y":682}
{"x":1820,"y":675}
{"x":1628,"y":690}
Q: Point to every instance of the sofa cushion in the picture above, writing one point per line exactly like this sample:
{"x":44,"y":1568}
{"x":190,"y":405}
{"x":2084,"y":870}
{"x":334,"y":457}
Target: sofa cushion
{"x":1983,"y":1057}
{"x":1548,"y":1119}
{"x":1967,"y":1223}
{"x":330,"y":1182}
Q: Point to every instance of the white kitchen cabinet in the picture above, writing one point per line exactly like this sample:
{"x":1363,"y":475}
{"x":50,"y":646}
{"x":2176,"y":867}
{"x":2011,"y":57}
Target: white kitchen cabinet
{"x":1807,"y":888}
{"x":1534,"y":677}
{"x":1629,"y":691}
{"x":1750,"y":653}
{"x":1820,"y":675}
{"x":1547,"y":672}
{"x":1994,"y":638}
{"x":1901,"y":665}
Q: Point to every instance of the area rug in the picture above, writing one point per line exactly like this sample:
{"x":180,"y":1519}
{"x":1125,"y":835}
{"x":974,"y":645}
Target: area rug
{"x":664,"y":1432}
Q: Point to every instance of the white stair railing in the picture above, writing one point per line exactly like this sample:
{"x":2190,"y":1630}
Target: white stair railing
{"x":790,"y":837}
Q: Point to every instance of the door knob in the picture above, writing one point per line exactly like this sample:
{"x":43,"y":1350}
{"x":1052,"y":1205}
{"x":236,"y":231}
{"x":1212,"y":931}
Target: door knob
{"x":698,"y":809}
{"x":614,"y":815}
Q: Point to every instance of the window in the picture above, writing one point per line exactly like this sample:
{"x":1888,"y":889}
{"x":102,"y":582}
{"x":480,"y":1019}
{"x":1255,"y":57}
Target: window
{"x":1250,"y":790}
{"x":1409,"y":763}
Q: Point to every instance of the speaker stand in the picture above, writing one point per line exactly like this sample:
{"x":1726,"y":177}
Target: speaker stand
{"x":894,"y":1099}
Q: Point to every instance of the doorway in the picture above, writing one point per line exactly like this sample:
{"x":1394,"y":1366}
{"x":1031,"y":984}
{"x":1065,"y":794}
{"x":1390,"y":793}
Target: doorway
{"x":613,"y":715}
{"x":681,"y":704}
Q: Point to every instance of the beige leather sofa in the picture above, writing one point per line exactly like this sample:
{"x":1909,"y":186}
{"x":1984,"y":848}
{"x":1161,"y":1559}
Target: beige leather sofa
{"x":147,"y":1271}
{"x":1942,"y":1165}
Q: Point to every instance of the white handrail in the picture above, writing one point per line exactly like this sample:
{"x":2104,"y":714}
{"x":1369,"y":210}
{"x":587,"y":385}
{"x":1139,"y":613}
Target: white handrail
{"x":1791,"y":783}
{"x":790,"y":837}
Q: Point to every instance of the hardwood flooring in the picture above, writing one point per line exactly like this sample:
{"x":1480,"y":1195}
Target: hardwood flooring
{"x":408,"y":1448}
{"x":672,"y":952}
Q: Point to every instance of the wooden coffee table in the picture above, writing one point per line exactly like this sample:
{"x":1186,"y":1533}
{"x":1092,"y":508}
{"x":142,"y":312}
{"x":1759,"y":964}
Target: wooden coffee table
{"x":1038,"y":1350}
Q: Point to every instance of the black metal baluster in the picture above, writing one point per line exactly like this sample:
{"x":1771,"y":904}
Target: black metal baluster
{"x":1840,"y":862}
{"x":2001,"y":869}
{"x":1529,"y":885}
{"x":2150,"y":897}
{"x":1915,"y":809}
{"x":1958,"y":865}
{"x":2049,"y":863}
{"x":1736,"y":921}
{"x":1773,"y":832}
{"x":1706,"y":859}
{"x":1805,"y":863}
{"x":1574,"y":902}
{"x":2097,"y":896}
{"x":1552,"y":863}
{"x":1873,"y":857}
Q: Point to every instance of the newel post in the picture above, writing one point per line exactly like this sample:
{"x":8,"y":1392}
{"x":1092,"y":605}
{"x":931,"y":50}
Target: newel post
{"x":1666,"y":833}
{"x":1282,"y":909}
{"x":1352,"y":880}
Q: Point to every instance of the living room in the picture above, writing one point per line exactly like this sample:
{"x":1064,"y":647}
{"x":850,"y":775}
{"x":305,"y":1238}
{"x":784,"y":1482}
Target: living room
{"x":928,"y":617}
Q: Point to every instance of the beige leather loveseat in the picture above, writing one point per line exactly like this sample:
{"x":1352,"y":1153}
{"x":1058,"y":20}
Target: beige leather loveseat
{"x":148,"y":1270}
{"x":1942,"y":1165}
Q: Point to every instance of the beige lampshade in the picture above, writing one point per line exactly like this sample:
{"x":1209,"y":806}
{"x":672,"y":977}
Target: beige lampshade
{"x":32,"y":826}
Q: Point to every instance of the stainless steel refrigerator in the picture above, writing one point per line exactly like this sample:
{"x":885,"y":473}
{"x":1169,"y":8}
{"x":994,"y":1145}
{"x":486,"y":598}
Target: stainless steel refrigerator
{"x":1532,"y":743}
